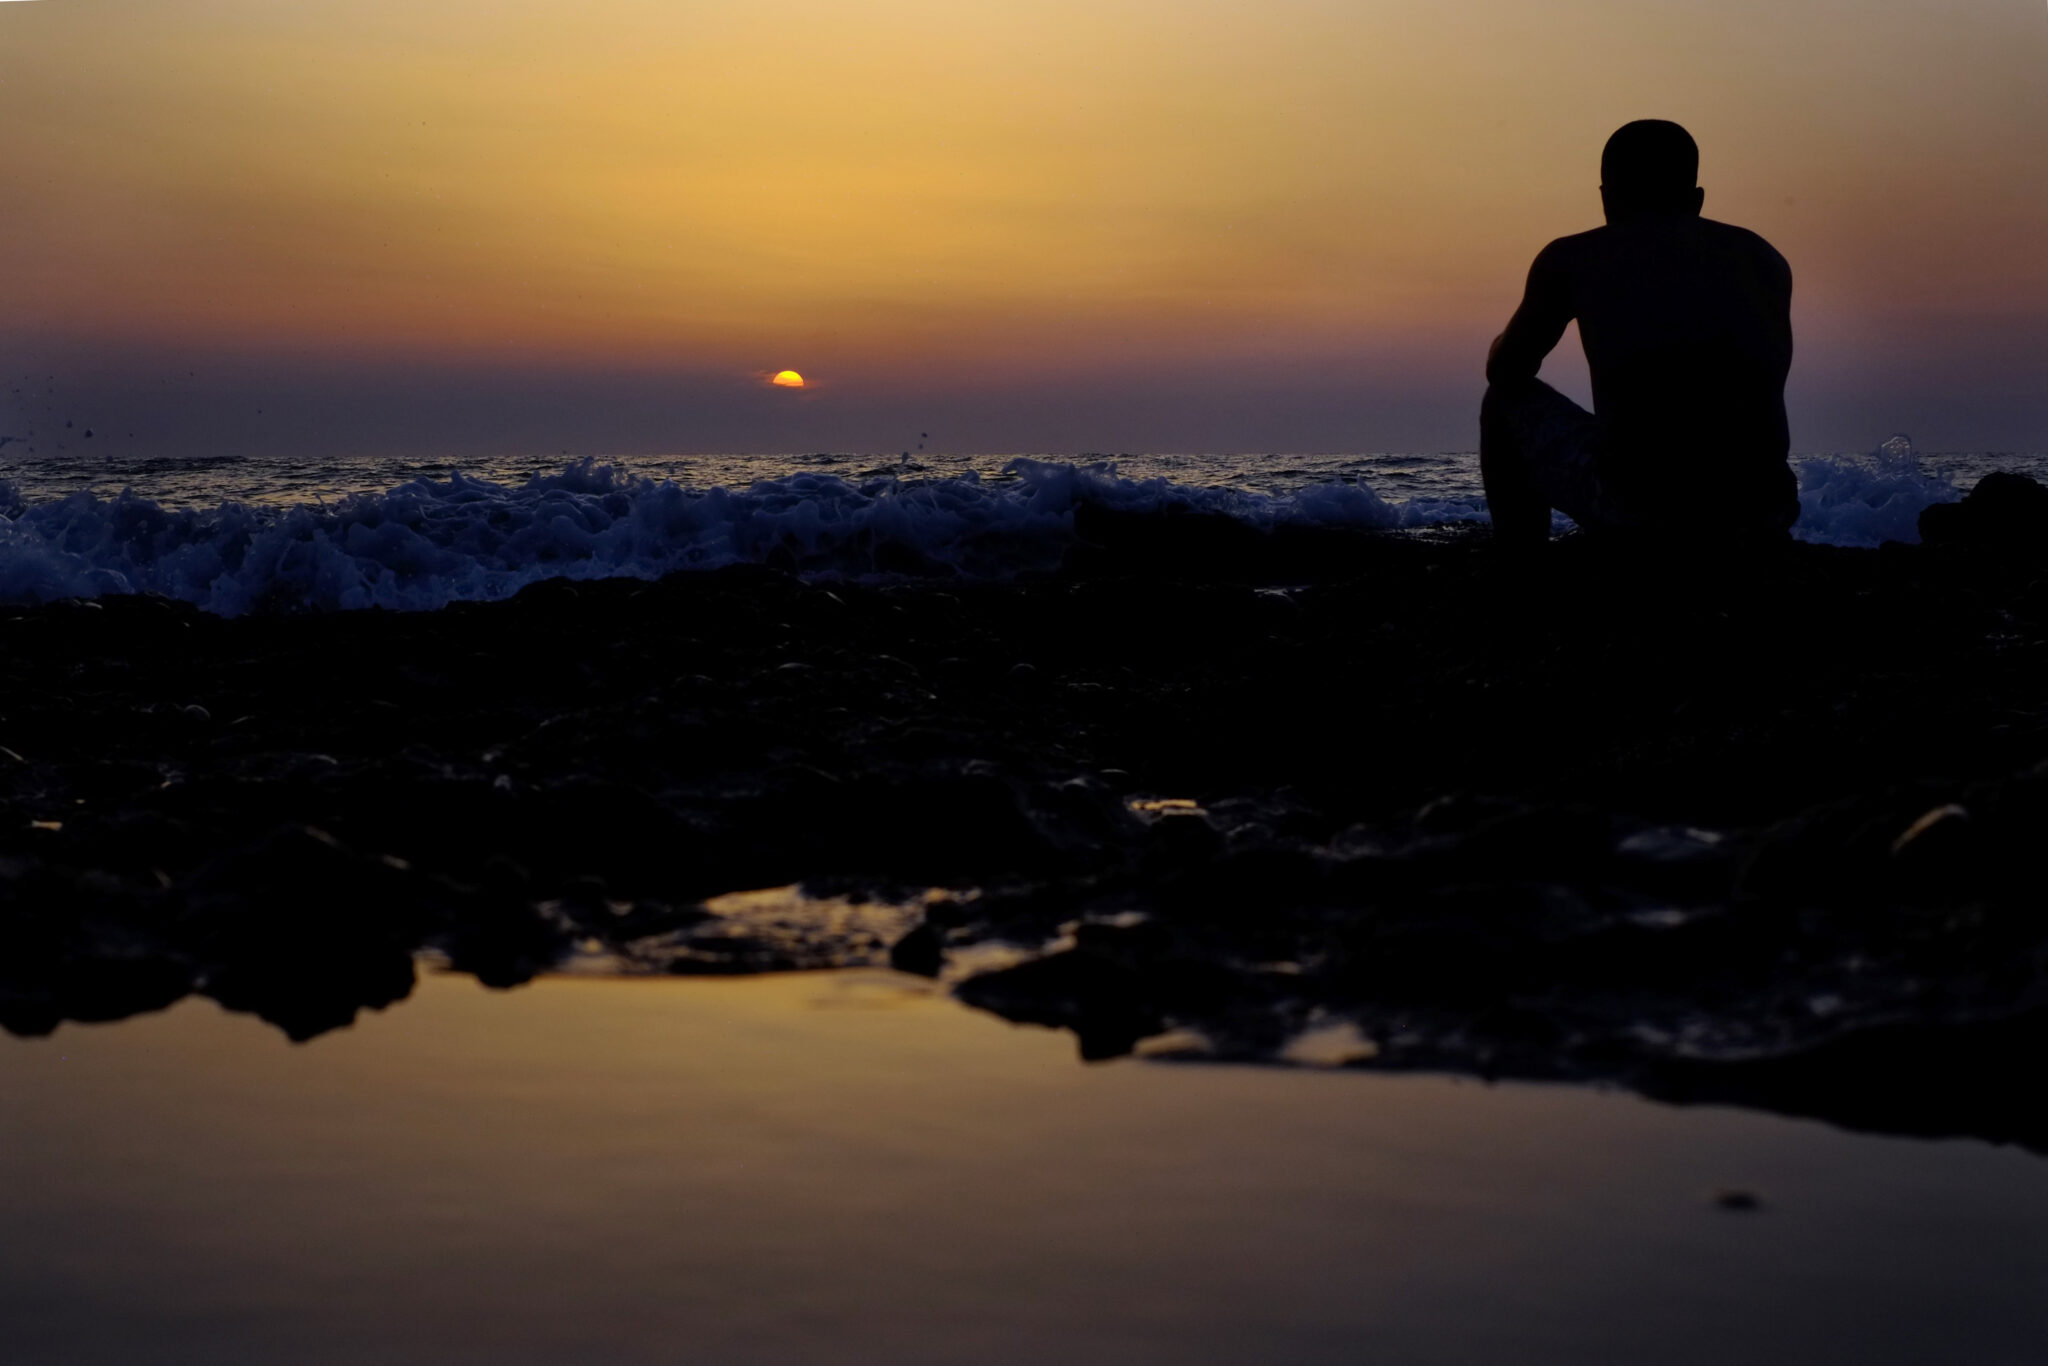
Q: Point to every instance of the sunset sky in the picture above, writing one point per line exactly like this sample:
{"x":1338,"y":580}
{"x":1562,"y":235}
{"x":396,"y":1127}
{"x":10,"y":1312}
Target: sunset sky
{"x":466,"y":226}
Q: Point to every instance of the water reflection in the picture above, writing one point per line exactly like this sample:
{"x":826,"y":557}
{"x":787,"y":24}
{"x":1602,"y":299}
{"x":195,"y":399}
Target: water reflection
{"x":848,"y":1168}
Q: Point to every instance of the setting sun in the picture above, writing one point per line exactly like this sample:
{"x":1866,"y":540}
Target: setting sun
{"x":787,"y":379}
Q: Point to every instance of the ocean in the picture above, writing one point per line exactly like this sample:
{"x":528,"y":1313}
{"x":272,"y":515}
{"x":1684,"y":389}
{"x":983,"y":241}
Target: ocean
{"x":241,"y":534}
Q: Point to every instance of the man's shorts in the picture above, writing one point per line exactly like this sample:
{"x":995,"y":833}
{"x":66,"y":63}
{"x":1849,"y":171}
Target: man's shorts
{"x":1538,"y":446}
{"x":1553,"y":446}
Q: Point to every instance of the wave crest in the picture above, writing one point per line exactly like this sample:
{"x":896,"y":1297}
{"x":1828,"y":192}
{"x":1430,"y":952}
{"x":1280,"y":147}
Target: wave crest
{"x":1866,"y":502}
{"x":428,"y":543}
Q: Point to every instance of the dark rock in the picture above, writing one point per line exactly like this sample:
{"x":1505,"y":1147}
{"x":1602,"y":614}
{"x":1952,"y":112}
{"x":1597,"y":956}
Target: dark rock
{"x":2007,"y":512}
{"x":1179,"y":841}
{"x":383,"y":783}
{"x":1105,"y":1003}
{"x":921,"y":952}
{"x":1941,"y":856}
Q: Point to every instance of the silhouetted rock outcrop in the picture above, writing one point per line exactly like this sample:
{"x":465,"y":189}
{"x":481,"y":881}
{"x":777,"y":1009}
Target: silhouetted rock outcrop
{"x":1761,"y":828}
{"x":2004,"y":512}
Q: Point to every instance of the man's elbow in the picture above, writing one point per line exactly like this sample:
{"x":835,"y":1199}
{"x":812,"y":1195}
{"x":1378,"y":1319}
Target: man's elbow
{"x":1493,"y":363}
{"x":1504,"y":366}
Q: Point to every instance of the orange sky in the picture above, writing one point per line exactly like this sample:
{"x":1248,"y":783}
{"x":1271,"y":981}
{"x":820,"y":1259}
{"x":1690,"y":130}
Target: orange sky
{"x":1042,"y":202}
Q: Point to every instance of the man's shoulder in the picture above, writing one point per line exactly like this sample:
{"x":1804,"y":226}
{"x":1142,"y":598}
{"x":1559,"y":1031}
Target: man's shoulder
{"x":1576,"y":246}
{"x":1565,"y":256}
{"x":1743,"y":240}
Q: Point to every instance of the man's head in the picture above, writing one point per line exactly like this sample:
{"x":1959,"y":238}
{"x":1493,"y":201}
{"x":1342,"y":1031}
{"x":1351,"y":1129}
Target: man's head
{"x":1650,"y":166}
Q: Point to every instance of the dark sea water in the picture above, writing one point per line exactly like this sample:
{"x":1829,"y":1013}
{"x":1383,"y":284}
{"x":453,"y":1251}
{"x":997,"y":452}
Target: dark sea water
{"x":1450,"y":476}
{"x":235,"y":535}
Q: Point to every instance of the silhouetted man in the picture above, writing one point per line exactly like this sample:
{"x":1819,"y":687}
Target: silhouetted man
{"x":1687,"y":328}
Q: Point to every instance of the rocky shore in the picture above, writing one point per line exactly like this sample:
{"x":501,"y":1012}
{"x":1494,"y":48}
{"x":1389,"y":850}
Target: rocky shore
{"x":1769,"y":831}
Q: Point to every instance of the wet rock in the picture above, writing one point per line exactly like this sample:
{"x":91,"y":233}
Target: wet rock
{"x":301,"y":931}
{"x":1559,"y":842}
{"x":921,"y":952}
{"x":1105,"y":1003}
{"x":504,"y":941}
{"x":1181,"y":840}
{"x":1939,"y":827}
{"x":1672,"y":860}
{"x":1244,"y":881}
{"x":1682,"y":862}
{"x":2004,"y":512}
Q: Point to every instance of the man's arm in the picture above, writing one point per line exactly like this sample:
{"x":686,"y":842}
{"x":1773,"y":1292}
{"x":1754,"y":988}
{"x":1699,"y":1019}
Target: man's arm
{"x":1782,"y":280}
{"x":1546,"y":311}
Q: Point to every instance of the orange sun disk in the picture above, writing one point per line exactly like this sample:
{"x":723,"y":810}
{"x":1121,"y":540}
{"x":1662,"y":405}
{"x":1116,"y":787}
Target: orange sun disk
{"x":787,"y":379}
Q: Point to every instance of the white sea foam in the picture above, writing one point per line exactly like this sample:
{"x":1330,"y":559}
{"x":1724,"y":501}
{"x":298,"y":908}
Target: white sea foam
{"x":428,"y":543}
{"x":1867,"y":502}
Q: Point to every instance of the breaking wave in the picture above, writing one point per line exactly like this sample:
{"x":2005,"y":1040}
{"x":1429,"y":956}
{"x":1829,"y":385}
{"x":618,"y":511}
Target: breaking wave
{"x":428,"y":543}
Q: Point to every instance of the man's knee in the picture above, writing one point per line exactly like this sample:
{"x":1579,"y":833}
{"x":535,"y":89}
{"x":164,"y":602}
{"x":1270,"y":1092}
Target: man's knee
{"x":1510,"y":414}
{"x":1494,"y":407}
{"x":1507,"y":417}
{"x":1520,"y":515}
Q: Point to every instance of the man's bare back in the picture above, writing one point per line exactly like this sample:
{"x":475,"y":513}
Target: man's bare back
{"x":1686,"y":324}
